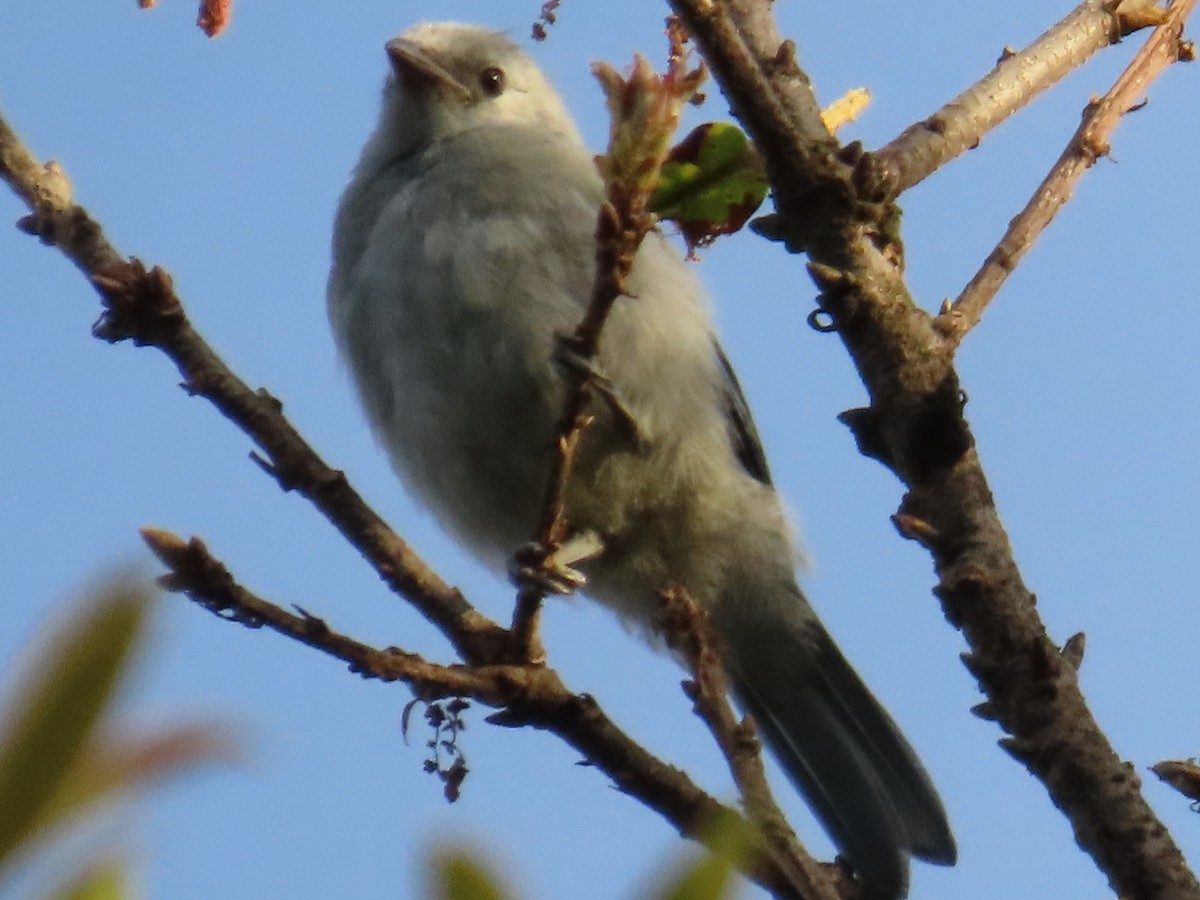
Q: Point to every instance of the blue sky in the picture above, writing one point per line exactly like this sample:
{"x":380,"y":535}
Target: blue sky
{"x":222,"y":161}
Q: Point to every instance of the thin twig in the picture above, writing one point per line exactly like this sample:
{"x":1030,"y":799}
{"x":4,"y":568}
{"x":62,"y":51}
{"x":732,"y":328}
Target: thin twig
{"x":690,"y":633}
{"x":1089,"y":143}
{"x":194,"y":571}
{"x":644,"y":110}
{"x":1015,"y":80}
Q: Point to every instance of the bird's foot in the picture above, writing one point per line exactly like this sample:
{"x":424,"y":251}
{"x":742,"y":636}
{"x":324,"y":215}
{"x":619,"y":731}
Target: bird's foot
{"x":600,"y":384}
{"x":554,"y":572}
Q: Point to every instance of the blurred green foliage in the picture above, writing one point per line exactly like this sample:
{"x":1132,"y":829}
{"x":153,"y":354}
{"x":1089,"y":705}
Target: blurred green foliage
{"x":458,"y":873}
{"x":59,"y":756}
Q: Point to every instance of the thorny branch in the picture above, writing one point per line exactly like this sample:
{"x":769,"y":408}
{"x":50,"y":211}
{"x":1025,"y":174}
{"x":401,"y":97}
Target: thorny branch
{"x":915,"y":426}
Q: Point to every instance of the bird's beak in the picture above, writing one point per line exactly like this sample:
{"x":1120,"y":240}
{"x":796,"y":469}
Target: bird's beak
{"x":418,"y":71}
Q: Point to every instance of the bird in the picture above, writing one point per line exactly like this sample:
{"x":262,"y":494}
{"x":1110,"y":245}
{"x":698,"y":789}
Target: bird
{"x":463,"y":249}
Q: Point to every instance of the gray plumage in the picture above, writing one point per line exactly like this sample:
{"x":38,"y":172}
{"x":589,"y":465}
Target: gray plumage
{"x":462,"y":246}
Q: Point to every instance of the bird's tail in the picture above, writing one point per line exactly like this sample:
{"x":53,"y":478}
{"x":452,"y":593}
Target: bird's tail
{"x":843,"y":751}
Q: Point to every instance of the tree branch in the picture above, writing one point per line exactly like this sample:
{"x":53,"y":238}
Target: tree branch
{"x":915,"y":426}
{"x":142,"y":306}
{"x":194,"y":571}
{"x":1089,"y":143}
{"x":1015,"y":80}
{"x":690,"y":633}
{"x":525,"y":694}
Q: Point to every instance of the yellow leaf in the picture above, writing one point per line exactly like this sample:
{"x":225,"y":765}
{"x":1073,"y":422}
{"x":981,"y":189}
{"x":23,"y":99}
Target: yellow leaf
{"x":457,"y":874}
{"x":846,"y":108}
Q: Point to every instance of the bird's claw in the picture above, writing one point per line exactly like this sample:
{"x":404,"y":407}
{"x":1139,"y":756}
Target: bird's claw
{"x":600,"y":384}
{"x":554,"y":572}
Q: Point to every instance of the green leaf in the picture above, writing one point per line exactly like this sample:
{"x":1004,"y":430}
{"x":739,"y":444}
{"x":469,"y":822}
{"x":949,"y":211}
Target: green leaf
{"x":711,"y":183}
{"x":457,"y":874}
{"x":708,"y":878}
{"x":104,"y":881}
{"x":54,"y":710}
{"x":711,"y":876}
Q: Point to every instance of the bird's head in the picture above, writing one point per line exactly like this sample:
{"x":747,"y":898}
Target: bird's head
{"x":448,"y":78}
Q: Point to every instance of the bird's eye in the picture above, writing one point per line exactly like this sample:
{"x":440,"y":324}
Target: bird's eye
{"x":491,"y":80}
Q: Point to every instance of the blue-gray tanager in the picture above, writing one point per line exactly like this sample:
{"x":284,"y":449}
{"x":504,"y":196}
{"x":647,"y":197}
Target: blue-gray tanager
{"x":463,"y":247}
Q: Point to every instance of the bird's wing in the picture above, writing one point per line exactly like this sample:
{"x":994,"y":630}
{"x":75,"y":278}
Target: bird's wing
{"x":746,"y":444}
